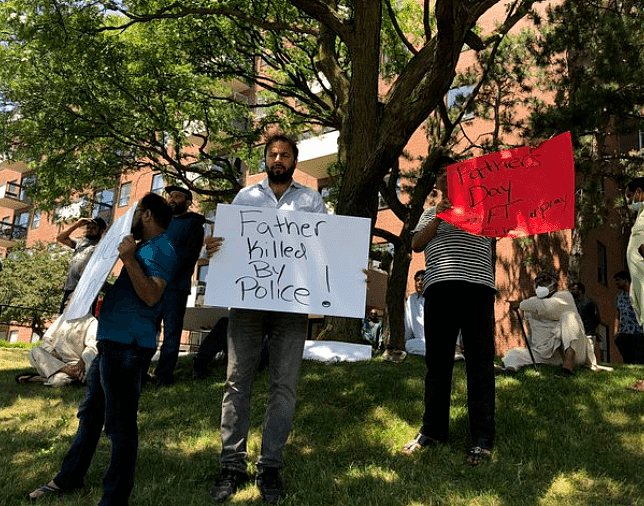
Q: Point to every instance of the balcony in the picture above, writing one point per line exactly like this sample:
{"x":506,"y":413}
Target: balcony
{"x":10,"y":233}
{"x":12,"y":196}
{"x":317,"y":153}
{"x":14,"y":165}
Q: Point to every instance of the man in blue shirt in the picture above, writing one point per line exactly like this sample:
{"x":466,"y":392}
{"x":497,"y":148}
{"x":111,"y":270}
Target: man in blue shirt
{"x":186,"y":234}
{"x":127,"y":331}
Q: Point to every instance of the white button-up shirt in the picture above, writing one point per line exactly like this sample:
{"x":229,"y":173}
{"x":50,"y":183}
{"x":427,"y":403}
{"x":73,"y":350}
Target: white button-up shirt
{"x":296,"y":198}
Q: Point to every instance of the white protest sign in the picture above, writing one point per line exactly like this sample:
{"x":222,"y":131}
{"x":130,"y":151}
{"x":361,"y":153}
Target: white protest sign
{"x":290,"y":261}
{"x":99,"y":267}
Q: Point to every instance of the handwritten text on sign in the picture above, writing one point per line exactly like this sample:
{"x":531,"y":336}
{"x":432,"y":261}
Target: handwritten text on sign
{"x":517,"y":192}
{"x":289,"y":261}
{"x":99,"y":267}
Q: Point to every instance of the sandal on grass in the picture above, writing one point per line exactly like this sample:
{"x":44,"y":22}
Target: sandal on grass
{"x":637,"y":387}
{"x":418,"y":443}
{"x":47,"y":489}
{"x":477,"y":455}
{"x":24,"y":377}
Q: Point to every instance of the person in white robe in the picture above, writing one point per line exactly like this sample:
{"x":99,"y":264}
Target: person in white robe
{"x":65,"y":354}
{"x":415,"y":318}
{"x":557,"y":334}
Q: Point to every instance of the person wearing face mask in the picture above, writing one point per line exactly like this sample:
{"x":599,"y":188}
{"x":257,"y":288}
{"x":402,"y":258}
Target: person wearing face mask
{"x":556,"y":330}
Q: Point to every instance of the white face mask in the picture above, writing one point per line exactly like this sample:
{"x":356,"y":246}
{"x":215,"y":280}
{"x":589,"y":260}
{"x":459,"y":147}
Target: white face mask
{"x":542,"y":291}
{"x":635,"y":206}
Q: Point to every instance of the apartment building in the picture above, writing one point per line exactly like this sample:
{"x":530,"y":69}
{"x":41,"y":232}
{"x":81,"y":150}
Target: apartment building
{"x":517,"y":259}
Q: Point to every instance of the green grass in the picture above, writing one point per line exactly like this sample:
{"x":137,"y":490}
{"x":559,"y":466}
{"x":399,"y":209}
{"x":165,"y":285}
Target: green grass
{"x":561,"y":442}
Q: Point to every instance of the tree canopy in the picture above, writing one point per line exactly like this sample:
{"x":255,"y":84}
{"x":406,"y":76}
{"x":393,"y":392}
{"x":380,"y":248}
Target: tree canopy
{"x":91,"y":89}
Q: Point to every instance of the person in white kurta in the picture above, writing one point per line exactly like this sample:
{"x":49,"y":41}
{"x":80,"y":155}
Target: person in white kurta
{"x":635,"y":248}
{"x":66,"y":351}
{"x":556,"y":330}
{"x":415,"y":318}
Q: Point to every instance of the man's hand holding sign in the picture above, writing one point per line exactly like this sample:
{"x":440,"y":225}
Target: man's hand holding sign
{"x":518,"y":192}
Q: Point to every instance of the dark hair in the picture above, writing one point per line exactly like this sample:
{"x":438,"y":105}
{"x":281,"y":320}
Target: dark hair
{"x":419,"y":273}
{"x":159,"y":207}
{"x":547,"y":274}
{"x":623,"y":275}
{"x":281,"y":138}
{"x":442,"y":161}
{"x":636,"y":183}
{"x":580,"y":286}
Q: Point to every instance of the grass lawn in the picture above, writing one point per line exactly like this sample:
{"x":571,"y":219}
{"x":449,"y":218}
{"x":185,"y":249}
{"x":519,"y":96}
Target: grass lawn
{"x":562,"y":442}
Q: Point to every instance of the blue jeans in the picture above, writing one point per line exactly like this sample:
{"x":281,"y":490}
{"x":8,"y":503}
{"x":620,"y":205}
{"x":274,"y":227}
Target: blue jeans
{"x":246,"y":330}
{"x":112,"y":400}
{"x":174,"y":308}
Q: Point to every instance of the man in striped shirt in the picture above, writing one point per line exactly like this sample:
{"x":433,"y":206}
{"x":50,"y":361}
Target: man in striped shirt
{"x":459,"y":296}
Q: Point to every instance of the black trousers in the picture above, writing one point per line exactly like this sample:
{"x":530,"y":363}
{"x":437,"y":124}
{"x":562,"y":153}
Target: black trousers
{"x":451,"y":306}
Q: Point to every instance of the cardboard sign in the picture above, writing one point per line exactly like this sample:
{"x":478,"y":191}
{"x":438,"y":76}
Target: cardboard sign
{"x":518,"y":192}
{"x":99,"y":267}
{"x":290,"y":261}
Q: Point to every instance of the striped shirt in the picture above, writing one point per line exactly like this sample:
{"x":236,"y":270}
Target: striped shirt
{"x":456,"y":255}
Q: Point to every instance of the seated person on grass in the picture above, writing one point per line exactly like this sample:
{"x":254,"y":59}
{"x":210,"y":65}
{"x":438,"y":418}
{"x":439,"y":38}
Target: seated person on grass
{"x":65,"y":354}
{"x":557,"y":333}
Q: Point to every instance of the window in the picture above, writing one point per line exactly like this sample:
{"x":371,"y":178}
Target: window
{"x":157,"y":184}
{"x":456,"y":97}
{"x":35,"y":222}
{"x":35,"y":337}
{"x":13,"y":336}
{"x":602,"y":267}
{"x":13,"y":189}
{"x":103,"y":205}
{"x":20,"y":224}
{"x":640,"y":140}
{"x":124,"y":194}
{"x":25,"y":183}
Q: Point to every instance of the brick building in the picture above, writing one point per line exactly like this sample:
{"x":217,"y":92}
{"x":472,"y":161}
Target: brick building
{"x":604,"y":248}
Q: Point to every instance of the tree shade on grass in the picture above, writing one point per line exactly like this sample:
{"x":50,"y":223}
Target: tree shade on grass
{"x":574,"y":441}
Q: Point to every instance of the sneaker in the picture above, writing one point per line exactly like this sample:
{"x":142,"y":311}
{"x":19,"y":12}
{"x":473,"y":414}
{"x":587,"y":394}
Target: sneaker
{"x":227,"y":484}
{"x":270,"y":484}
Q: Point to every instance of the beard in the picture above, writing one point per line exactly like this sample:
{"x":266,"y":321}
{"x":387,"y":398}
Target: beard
{"x":179,"y":208}
{"x":137,"y":230}
{"x":94,"y":237}
{"x":282,"y":177}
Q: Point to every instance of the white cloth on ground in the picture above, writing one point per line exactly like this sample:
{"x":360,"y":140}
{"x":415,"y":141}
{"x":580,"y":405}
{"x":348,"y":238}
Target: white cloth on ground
{"x":336,"y":351}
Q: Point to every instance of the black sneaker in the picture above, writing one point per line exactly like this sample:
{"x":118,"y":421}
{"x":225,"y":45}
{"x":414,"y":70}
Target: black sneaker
{"x":270,"y":485}
{"x":227,"y":484}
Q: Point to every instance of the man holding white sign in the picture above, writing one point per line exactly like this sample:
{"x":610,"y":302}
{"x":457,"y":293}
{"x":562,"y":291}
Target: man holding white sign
{"x":246,"y":331}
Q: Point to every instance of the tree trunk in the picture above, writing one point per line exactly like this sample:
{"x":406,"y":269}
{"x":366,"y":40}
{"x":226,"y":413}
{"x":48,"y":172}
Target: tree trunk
{"x":341,"y":329}
{"x":395,"y":299}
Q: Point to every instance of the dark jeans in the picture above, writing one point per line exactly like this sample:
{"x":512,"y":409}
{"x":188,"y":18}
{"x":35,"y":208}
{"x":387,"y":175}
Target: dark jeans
{"x":631,"y":347}
{"x":174,"y":308}
{"x":451,"y":306}
{"x":112,"y":399}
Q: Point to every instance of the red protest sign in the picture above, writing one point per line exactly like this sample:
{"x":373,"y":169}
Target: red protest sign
{"x":518,"y":192}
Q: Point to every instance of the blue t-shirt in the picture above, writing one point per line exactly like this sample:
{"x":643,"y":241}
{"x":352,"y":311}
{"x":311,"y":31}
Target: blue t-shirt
{"x":124,"y":317}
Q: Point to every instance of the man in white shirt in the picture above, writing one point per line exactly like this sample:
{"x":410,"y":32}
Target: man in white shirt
{"x":415,"y":318}
{"x":66,"y":352}
{"x":556,"y":330}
